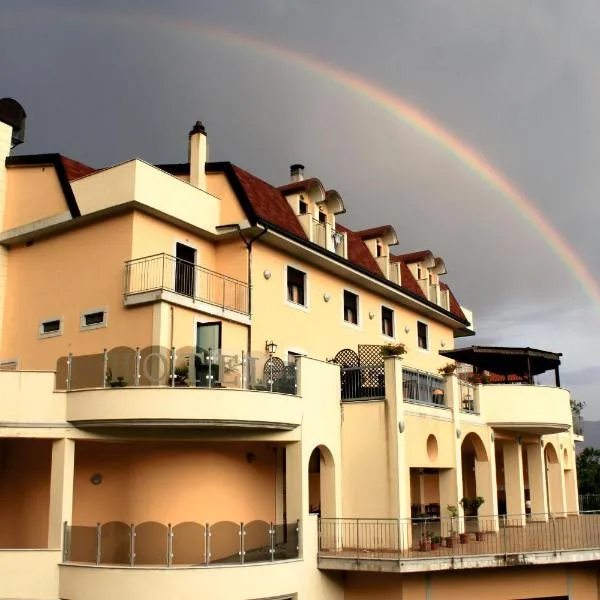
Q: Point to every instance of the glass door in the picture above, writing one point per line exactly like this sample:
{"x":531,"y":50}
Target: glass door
{"x":208,"y":352}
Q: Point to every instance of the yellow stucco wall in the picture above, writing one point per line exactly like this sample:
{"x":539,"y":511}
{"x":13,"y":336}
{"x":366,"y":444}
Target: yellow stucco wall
{"x":231,"y":211}
{"x":319,"y":329}
{"x":63,"y":276}
{"x":32,"y":193}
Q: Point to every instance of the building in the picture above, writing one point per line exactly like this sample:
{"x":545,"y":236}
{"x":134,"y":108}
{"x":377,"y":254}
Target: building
{"x":204,"y":392}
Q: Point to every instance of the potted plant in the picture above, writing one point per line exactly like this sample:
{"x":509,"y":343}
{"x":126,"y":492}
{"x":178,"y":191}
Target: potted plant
{"x":118,"y":382}
{"x":480,"y":536}
{"x":452,"y":539}
{"x":448,"y":368}
{"x":436,"y":542}
{"x":393,"y":350}
{"x":181,"y":374}
{"x":425,"y":542}
{"x":479,"y":378}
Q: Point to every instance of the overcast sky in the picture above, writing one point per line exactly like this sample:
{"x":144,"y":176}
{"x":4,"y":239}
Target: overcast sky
{"x":517,"y":81}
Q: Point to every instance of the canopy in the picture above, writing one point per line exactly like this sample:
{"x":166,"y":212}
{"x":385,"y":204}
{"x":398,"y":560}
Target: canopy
{"x":501,"y":360}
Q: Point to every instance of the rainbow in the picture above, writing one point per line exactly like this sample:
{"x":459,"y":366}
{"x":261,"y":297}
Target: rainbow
{"x":409,"y":115}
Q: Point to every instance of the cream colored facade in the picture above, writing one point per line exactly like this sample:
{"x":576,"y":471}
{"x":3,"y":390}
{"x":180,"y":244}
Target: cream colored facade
{"x":153,"y":444}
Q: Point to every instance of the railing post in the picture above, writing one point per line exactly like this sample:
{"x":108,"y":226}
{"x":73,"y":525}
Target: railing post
{"x":209,"y":367}
{"x":162,"y":277}
{"x":138,"y":358}
{"x":207,"y":534}
{"x":271,"y":373}
{"x":169,"y":545}
{"x":69,"y":370}
{"x":244,"y":386}
{"x":104,"y":367}
{"x":242,"y":533}
{"x":173,"y":358}
{"x":223,"y":298}
{"x":66,"y":542}
{"x":272,"y":541}
{"x":298,"y":544}
{"x":132,"y":545}
{"x":98,"y":543}
{"x":357,"y":542}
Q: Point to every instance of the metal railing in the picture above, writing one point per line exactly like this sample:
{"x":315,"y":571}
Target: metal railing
{"x":467,"y":397}
{"x":156,"y":366}
{"x":362,"y":383}
{"x":577,"y":423}
{"x":423,"y":388}
{"x":184,"y":544}
{"x":165,"y":272}
{"x":589,"y":502}
{"x":418,"y":539}
{"x":319,"y":233}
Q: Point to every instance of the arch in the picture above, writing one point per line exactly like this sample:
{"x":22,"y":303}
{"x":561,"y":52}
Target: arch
{"x":550,"y":453}
{"x":321,"y":482}
{"x":473,"y":444}
{"x":346,"y":358}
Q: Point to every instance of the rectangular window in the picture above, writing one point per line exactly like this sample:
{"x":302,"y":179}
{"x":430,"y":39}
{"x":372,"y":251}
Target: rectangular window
{"x":422,"y":335}
{"x":93,"y":319}
{"x":296,"y":286}
{"x":379,"y":250}
{"x":387,"y":321}
{"x":302,"y":207}
{"x":50,"y":328}
{"x":350,"y":307}
{"x":322,"y":217}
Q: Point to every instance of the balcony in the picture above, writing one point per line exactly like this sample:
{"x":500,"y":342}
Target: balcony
{"x":164,"y":277}
{"x":154,"y":387}
{"x":187,"y":544}
{"x":406,"y":546}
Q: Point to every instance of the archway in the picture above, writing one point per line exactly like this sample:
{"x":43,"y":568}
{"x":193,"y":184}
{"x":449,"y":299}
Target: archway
{"x":555,"y":483}
{"x":476,"y":479}
{"x":321,"y":482}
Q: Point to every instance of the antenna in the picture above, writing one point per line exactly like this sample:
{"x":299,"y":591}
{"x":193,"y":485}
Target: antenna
{"x":13,"y":114}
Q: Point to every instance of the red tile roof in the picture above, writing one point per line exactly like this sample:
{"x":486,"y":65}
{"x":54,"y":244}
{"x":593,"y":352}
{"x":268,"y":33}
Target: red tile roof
{"x":375,"y":232}
{"x":358,"y":253}
{"x":455,"y":308}
{"x":417,"y":256}
{"x":268,"y":203}
{"x":75,"y":169}
{"x":299,"y":186}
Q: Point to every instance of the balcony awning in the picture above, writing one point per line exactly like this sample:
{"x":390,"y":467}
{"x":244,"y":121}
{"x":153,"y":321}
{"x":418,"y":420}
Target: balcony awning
{"x":501,"y":360}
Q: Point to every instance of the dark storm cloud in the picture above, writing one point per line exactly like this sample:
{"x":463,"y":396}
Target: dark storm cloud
{"x":516,"y":80}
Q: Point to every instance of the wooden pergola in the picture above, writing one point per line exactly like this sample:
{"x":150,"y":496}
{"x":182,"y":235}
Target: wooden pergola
{"x":520,"y":364}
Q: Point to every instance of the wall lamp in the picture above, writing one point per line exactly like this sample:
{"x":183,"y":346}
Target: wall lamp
{"x":271,"y":347}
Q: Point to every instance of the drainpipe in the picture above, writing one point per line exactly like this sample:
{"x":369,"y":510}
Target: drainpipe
{"x":248,"y":242}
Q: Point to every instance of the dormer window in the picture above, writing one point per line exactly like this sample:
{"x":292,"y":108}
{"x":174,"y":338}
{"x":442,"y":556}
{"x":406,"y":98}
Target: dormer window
{"x":322,"y":217}
{"x":419,"y":272}
{"x":379,"y":249}
{"x":302,"y":207}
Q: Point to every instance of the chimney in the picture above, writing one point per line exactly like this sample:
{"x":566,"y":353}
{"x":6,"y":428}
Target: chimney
{"x":198,"y":155}
{"x":297,"y":172}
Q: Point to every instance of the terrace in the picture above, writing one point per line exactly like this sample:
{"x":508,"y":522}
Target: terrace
{"x":381,"y":544}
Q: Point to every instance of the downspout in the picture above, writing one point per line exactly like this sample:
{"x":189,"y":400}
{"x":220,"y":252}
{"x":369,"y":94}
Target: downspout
{"x":248,"y":242}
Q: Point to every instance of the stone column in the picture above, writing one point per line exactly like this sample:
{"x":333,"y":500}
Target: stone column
{"x":5,"y":143}
{"x":61,"y":490}
{"x":513,"y":482}
{"x":399,"y":471}
{"x":537,"y":482}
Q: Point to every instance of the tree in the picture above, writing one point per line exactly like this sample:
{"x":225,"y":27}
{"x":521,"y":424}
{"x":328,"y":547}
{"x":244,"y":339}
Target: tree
{"x":588,"y":471}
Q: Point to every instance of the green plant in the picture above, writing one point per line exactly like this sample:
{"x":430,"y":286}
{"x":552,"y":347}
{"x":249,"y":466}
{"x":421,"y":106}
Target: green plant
{"x":466,"y":503}
{"x":452,"y":511}
{"x":393,"y":349}
{"x":436,"y":539}
{"x":182,"y":372}
{"x":448,"y":368}
{"x":476,"y":503}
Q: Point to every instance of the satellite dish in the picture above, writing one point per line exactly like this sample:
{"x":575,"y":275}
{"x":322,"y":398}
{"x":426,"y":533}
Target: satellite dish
{"x":13,"y":114}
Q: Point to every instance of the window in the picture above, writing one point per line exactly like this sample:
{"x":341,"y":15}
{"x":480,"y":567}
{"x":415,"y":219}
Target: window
{"x":51,"y":328}
{"x":387,"y":321}
{"x":379,"y":250}
{"x":302,"y":207}
{"x":422,"y":335}
{"x":350,"y":307}
{"x":296,"y":285}
{"x":322,"y":217}
{"x":292,"y":357}
{"x":93,"y":319}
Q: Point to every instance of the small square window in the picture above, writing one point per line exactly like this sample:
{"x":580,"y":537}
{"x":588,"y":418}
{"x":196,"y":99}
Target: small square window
{"x":50,"y":328}
{"x":296,"y":286}
{"x":350,"y":307}
{"x":93,"y":319}
{"x":387,"y":321}
{"x":302,"y":207}
{"x":422,"y":340}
